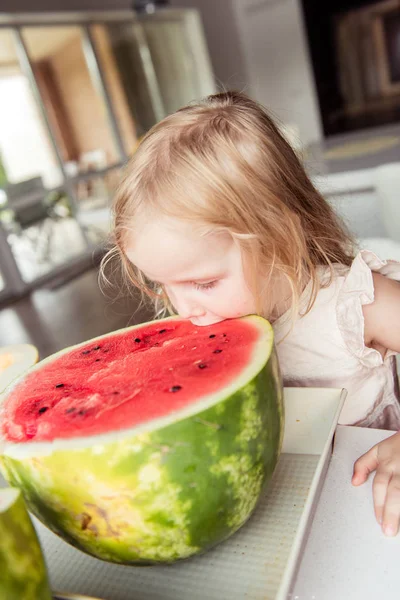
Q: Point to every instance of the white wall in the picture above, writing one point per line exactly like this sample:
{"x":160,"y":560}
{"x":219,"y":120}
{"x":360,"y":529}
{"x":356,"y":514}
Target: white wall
{"x":223,"y":40}
{"x":280,"y":73}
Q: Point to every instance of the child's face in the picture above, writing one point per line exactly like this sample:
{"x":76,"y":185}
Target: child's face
{"x":202,"y":275}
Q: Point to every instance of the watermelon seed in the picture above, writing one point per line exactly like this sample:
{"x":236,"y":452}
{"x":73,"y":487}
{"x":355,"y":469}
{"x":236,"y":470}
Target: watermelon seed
{"x":212,"y":336}
{"x":175,"y":388}
{"x":202,"y":366}
{"x":70,"y":410}
{"x":86,"y":352}
{"x":162,"y":331}
{"x":43,"y":409}
{"x":82,"y":412}
{"x":97,"y":360}
{"x":106,"y":350}
{"x":115,"y":392}
{"x":217,"y":351}
{"x":138,"y":340}
{"x":224,"y":335}
{"x":97,"y":348}
{"x":59,"y":385}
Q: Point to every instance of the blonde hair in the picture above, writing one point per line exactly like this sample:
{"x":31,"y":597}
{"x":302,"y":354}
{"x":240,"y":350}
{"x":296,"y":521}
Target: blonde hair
{"x":223,"y":162}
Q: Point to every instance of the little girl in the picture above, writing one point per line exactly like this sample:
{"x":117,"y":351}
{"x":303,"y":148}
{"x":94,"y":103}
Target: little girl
{"x":216,"y":218}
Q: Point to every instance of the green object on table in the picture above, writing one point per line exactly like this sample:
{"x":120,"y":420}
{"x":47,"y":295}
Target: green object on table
{"x":23,"y":574}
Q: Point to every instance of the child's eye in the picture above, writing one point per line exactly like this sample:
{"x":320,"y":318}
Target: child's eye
{"x":204,"y":286}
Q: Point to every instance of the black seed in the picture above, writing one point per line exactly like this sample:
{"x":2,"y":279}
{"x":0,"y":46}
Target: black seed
{"x":115,"y":393}
{"x":97,"y":360}
{"x":97,"y":348}
{"x":224,"y":335}
{"x":162,"y":331}
{"x":138,"y":340}
{"x":86,"y":352}
{"x":43,"y":409}
{"x":212,"y":336}
{"x":59,"y":385}
{"x":217,"y":351}
{"x":82,"y":412}
{"x":202,"y":366}
{"x":175,"y":388}
{"x":70,"y":410}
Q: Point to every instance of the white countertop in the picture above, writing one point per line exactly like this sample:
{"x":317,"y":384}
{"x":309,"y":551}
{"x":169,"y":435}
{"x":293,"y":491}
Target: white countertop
{"x":347,"y":557}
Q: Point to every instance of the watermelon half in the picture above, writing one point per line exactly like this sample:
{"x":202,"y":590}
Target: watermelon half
{"x":151,"y":444}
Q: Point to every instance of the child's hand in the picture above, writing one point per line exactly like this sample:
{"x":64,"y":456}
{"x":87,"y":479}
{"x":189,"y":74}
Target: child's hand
{"x":385,"y":459}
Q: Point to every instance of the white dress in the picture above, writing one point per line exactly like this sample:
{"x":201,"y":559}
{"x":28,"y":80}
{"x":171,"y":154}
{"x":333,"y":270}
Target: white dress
{"x":325,"y":347}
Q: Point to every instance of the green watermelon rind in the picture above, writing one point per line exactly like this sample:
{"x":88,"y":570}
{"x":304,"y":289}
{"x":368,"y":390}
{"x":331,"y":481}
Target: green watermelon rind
{"x":167,"y":490}
{"x":23,"y":573}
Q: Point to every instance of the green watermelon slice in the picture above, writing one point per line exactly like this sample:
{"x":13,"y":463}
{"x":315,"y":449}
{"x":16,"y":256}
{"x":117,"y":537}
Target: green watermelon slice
{"x":150,"y":444}
{"x":23,"y":574}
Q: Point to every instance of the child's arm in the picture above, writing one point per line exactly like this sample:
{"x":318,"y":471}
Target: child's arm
{"x":382,"y":331}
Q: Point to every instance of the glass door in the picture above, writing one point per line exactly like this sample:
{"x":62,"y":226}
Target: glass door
{"x":58,"y":142}
{"x":37,"y":208}
{"x":160,"y":60}
{"x":77,"y":92}
{"x":83,"y":120}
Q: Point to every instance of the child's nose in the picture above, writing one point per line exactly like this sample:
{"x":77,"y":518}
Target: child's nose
{"x":197,"y":312}
{"x":188,"y":311}
{"x":192,"y":314}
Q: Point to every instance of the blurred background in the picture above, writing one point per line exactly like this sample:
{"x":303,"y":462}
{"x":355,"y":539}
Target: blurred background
{"x":82,"y":81}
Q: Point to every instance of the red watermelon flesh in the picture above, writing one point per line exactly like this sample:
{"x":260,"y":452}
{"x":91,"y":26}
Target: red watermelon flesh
{"x":126,"y":378}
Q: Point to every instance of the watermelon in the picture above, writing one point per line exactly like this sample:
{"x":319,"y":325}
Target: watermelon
{"x":151,"y":444}
{"x":23,"y":574}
